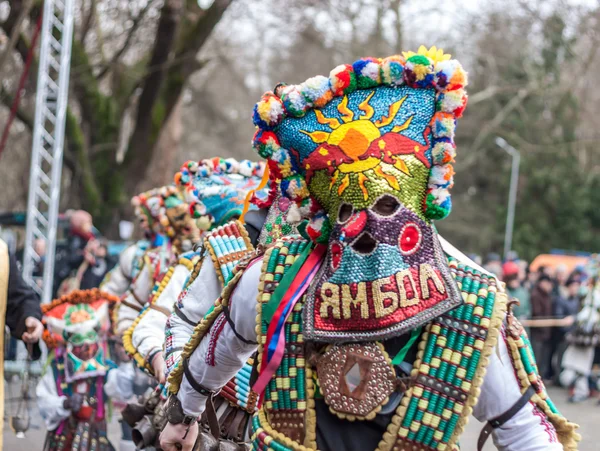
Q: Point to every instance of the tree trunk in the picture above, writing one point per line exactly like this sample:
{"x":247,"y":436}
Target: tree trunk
{"x":164,"y":162}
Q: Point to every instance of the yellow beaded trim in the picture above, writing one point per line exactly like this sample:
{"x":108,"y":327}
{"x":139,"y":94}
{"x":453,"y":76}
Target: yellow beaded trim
{"x":565,"y":430}
{"x":310,"y":418}
{"x":391,"y":435}
{"x":128,"y":335}
{"x":130,"y":349}
{"x":490,"y":343}
{"x":272,"y":434}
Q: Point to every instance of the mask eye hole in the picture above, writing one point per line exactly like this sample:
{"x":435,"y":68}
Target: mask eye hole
{"x":386,"y":206}
{"x":345,"y":213}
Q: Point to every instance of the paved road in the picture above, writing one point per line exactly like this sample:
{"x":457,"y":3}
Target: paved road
{"x":585,"y":414}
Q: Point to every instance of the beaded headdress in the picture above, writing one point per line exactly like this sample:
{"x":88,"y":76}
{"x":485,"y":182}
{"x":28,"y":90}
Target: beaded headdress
{"x":366,"y":156}
{"x":79,"y":318}
{"x":216,"y":188}
{"x":147,"y":207}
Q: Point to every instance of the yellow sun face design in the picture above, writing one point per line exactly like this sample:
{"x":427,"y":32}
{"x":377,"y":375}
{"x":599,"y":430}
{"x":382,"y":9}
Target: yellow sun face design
{"x":356,"y":145}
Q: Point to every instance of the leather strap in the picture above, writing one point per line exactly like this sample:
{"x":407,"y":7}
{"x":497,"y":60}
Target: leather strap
{"x":239,"y":425}
{"x":160,"y":309}
{"x":226,"y":420}
{"x":194,"y":383}
{"x":211,"y":416}
{"x":137,"y":308}
{"x":184,"y":318}
{"x":232,"y":325}
{"x":136,"y":297}
{"x":500,"y":420}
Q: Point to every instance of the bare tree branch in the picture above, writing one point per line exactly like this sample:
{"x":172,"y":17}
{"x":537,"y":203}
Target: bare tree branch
{"x":16,"y":29}
{"x":21,"y":114}
{"x":492,"y":125}
{"x":141,"y":141}
{"x":137,"y":21}
{"x":154,"y":111}
{"x":89,"y":19}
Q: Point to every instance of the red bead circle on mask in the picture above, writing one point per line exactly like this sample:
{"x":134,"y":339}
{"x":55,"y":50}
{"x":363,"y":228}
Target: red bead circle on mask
{"x":410,"y":239}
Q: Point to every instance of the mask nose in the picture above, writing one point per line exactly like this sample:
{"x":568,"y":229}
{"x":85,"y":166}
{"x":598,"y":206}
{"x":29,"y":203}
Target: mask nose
{"x":364,"y":244}
{"x":355,"y":224}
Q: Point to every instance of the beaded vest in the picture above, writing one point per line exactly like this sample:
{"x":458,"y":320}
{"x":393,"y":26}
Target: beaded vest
{"x":449,"y":369}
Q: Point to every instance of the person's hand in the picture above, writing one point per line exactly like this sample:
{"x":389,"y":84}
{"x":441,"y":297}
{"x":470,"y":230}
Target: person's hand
{"x":73,"y":402}
{"x":158,"y":366}
{"x":34,"y":330}
{"x":178,"y":434}
{"x":89,"y":252}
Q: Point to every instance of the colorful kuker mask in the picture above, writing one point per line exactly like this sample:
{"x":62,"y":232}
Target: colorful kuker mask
{"x":147,"y":207}
{"x":217,"y":188}
{"x":365,"y":154}
{"x":175,"y":218}
{"x":77,"y":326}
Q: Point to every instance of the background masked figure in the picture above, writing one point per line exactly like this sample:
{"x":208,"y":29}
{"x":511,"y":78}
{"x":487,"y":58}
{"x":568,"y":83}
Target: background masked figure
{"x":73,"y":395}
{"x":118,"y":280}
{"x":215,"y":191}
{"x":180,"y":232}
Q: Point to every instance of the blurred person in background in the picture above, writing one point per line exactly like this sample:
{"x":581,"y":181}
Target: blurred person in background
{"x":19,"y":310}
{"x":561,"y":274}
{"x":541,"y":307}
{"x":568,"y":305}
{"x":39,"y":247}
{"x":523,"y":273}
{"x":81,"y":232}
{"x":531,"y":279}
{"x":515,"y":289}
{"x":96,"y":266}
{"x":493,"y":264}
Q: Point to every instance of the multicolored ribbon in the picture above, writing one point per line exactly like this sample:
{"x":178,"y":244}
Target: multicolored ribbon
{"x":291,"y":288}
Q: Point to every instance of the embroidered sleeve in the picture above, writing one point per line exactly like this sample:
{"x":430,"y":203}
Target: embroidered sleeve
{"x":196,"y":298}
{"x":49,"y":402}
{"x":146,"y":335}
{"x":223,"y":351}
{"x":118,"y":279}
{"x":134,"y":300}
{"x":531,"y":429}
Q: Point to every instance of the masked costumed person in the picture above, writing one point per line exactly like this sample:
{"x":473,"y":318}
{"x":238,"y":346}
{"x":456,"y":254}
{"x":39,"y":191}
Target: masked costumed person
{"x":583,"y":339}
{"x":181,"y":232}
{"x":215,"y":191}
{"x":372,"y":332}
{"x":226,"y":249}
{"x":73,"y":394}
{"x":121,"y":276}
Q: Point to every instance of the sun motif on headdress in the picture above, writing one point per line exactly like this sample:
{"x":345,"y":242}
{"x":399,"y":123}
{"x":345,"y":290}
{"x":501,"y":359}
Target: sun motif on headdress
{"x":356,"y":144}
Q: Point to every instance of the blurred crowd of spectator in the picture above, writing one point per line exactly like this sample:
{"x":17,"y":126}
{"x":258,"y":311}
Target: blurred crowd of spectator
{"x":83,"y":262}
{"x":542,"y":293}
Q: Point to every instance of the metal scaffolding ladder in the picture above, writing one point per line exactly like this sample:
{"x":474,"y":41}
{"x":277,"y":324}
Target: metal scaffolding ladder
{"x":48,"y":139}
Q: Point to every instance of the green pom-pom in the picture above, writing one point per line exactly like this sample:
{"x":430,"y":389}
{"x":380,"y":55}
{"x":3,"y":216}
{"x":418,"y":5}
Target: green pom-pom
{"x":419,"y":59}
{"x":366,"y":82}
{"x":353,"y":84}
{"x":434,"y":211}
